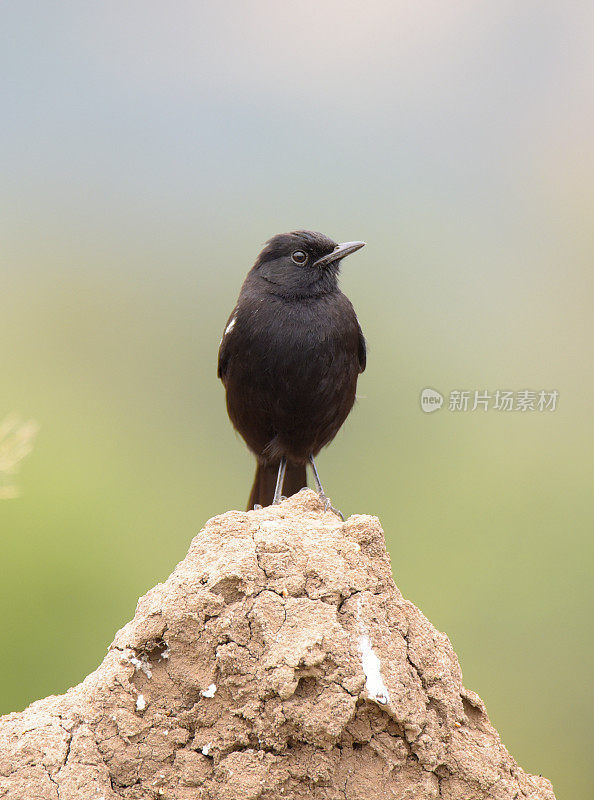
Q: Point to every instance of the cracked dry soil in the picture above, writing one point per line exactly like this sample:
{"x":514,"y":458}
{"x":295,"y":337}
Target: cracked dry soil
{"x":279,"y":660}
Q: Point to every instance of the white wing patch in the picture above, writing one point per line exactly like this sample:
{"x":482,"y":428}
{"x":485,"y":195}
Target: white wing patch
{"x":230,"y":326}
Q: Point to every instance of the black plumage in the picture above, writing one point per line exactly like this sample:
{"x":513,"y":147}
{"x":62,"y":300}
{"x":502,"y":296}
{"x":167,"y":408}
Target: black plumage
{"x":289,"y":358}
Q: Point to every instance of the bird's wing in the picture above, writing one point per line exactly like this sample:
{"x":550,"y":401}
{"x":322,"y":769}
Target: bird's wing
{"x":362,"y":350}
{"x":224,"y":346}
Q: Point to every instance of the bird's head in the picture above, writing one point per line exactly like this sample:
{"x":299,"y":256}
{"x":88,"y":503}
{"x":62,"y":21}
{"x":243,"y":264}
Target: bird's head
{"x":302,"y":262}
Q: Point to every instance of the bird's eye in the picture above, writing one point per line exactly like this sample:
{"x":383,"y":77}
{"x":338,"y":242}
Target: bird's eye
{"x":299,"y":257}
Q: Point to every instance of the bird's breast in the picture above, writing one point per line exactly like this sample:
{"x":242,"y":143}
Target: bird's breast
{"x":300,"y":352}
{"x":297,"y":332}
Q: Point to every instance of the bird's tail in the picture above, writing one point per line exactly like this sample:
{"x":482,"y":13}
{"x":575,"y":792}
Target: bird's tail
{"x":265,"y":482}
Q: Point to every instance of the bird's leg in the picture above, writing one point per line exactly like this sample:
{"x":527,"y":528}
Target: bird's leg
{"x":326,"y":500}
{"x":280,"y":479}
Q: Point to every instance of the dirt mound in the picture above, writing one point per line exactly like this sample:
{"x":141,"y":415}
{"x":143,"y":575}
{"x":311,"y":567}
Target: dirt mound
{"x":278,"y":660}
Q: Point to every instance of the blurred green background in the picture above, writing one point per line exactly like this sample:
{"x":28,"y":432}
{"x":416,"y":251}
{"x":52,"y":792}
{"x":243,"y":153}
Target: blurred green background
{"x":147,"y":151}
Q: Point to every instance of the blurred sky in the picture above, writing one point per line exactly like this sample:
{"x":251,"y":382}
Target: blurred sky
{"x":146,"y":152}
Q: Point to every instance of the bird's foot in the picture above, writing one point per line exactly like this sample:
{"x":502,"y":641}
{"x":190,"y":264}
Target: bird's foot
{"x":329,"y":507}
{"x":257,"y":507}
{"x":279,"y":501}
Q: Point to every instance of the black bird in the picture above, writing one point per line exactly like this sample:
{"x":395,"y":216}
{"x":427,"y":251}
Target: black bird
{"x":289,"y":360}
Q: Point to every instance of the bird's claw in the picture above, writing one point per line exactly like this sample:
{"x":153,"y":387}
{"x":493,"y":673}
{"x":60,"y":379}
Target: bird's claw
{"x":329,"y":507}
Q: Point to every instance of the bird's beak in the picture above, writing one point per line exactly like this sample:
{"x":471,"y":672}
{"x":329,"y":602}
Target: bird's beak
{"x":339,"y":252}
